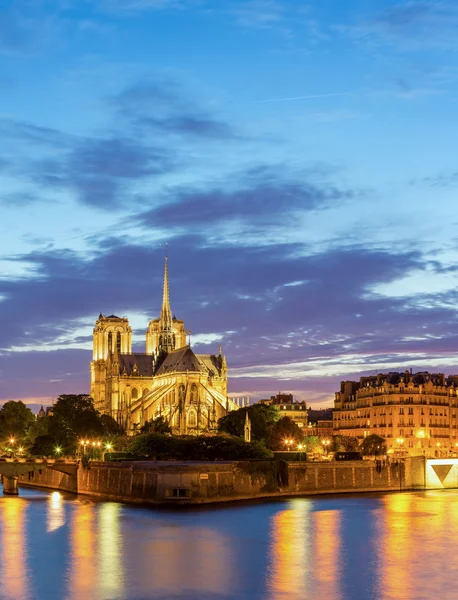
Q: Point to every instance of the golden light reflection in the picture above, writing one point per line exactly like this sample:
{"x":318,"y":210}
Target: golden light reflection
{"x":111,"y":575}
{"x":396,"y":547}
{"x":14,"y":571}
{"x":83,"y":565}
{"x":326,"y":546}
{"x":56,"y":511}
{"x":186,"y":558}
{"x":290,"y":564}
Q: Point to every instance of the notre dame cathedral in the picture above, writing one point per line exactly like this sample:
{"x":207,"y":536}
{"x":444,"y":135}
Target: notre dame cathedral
{"x":189,"y":390}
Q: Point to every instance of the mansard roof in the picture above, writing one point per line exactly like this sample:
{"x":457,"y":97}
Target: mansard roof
{"x":180,"y":360}
{"x":143,"y":363}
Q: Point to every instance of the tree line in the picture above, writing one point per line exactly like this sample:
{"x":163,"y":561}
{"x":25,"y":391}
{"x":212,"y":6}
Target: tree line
{"x":73,"y":418}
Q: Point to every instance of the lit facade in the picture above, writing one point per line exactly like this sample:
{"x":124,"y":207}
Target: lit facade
{"x":189,"y":390}
{"x":296,"y":411}
{"x":416,"y":413}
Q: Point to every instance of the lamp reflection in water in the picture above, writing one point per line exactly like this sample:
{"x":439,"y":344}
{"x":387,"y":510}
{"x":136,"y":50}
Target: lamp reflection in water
{"x":83,"y":564}
{"x":326,"y":553}
{"x":111,"y":570}
{"x":56,"y":512}
{"x":290,"y":552}
{"x":14,"y":570}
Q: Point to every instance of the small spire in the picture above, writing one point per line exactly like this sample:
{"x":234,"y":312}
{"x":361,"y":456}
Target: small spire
{"x":166,"y":313}
{"x":167,"y":337}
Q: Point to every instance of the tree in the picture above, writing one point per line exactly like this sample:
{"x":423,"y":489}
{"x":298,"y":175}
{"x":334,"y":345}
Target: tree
{"x":110,"y":426}
{"x":15,"y":419}
{"x":44,"y":445}
{"x":284,"y":429}
{"x":158,"y":425}
{"x":345,"y":443}
{"x":373,"y":445}
{"x":262,"y":417}
{"x":74,"y":416}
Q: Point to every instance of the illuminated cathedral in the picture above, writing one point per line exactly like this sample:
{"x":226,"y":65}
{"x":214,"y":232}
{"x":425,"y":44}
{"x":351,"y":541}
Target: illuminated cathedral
{"x":189,"y":390}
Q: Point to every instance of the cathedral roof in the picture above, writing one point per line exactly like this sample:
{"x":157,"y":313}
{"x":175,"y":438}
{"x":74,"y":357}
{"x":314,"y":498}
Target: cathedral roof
{"x":180,"y":360}
{"x":211,"y":362}
{"x":143,"y":363}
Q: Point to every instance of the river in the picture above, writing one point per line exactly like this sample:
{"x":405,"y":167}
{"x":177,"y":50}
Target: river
{"x":399,"y":546}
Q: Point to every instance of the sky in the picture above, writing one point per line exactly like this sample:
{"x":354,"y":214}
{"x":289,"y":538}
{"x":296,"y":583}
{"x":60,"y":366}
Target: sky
{"x":299,"y":158}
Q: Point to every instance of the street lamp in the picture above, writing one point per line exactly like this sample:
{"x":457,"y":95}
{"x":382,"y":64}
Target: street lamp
{"x":326,"y":444}
{"x":288,"y":443}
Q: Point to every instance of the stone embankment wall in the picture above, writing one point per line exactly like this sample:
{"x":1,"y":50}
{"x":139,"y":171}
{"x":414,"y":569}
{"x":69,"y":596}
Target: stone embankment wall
{"x":194,"y":483}
{"x":49,"y":478}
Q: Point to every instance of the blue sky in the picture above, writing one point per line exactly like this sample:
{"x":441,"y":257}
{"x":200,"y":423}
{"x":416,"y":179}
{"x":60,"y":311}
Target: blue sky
{"x":298,"y":157}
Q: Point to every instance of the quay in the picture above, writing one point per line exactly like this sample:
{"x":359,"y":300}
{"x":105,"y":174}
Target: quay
{"x":178,"y":483}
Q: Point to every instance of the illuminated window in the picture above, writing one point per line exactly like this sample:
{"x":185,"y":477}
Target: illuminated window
{"x":192,"y":419}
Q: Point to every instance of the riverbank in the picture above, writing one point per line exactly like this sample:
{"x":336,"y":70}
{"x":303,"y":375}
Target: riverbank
{"x":210,"y":482}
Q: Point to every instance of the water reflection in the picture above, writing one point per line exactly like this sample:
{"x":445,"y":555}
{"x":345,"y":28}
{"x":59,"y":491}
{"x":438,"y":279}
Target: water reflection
{"x":14,"y":573}
{"x":393,"y":547}
{"x":111,"y":576}
{"x":290,"y":556}
{"x":56,"y":511}
{"x":84,"y":558}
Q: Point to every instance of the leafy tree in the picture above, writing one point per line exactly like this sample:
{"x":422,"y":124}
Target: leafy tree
{"x":39,"y":427}
{"x":15,"y":419}
{"x":74,"y":416}
{"x":345,"y":443}
{"x":373,"y":445}
{"x":110,"y":426}
{"x":313,"y":444}
{"x":158,"y":425}
{"x":284,"y":429}
{"x":44,"y":445}
{"x":262,"y":416}
{"x":216,"y":447}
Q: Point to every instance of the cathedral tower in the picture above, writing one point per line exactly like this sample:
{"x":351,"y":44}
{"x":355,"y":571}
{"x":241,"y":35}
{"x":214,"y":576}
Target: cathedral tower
{"x":112,"y":336}
{"x":166,"y":333}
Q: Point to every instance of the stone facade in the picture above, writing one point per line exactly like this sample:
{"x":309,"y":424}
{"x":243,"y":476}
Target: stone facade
{"x":415,"y":412}
{"x":189,"y":390}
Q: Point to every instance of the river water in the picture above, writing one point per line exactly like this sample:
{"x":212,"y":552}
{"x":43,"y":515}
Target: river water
{"x":397,"y":546}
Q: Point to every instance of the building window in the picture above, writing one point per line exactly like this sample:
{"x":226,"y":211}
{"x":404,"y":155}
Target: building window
{"x":134,"y":394}
{"x":192,"y":418}
{"x":194,"y":394}
{"x":118,"y":342}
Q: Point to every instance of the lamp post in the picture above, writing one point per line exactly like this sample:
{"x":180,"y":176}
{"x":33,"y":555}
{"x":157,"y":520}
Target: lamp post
{"x":288,"y":443}
{"x":326,"y":444}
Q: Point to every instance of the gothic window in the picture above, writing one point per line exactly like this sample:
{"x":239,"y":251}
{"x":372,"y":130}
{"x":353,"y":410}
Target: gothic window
{"x":192,"y":419}
{"x":134,"y":394}
{"x":118,"y":342}
{"x":110,"y":341}
{"x":194,"y":394}
{"x":145,"y":391}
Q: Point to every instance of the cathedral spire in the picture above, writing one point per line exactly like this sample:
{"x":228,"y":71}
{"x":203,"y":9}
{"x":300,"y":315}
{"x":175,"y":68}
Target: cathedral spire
{"x":166,"y":312}
{"x":167,"y":337}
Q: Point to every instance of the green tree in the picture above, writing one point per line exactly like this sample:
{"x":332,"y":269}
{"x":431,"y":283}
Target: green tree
{"x":373,"y":445}
{"x":262,"y":416}
{"x":345,"y":443}
{"x":284,"y":429}
{"x":39,"y":427}
{"x":44,"y":445}
{"x":15,"y":419}
{"x":74,"y":417}
{"x":110,"y":427}
{"x":158,"y":425}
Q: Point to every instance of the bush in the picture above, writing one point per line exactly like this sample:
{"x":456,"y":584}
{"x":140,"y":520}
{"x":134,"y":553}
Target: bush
{"x":162,"y":447}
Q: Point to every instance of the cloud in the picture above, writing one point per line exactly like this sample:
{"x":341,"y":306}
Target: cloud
{"x":261,"y":197}
{"x":263,"y":14}
{"x":440,"y":181}
{"x":164,"y":106}
{"x":97,"y":168}
{"x":410,"y":25}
